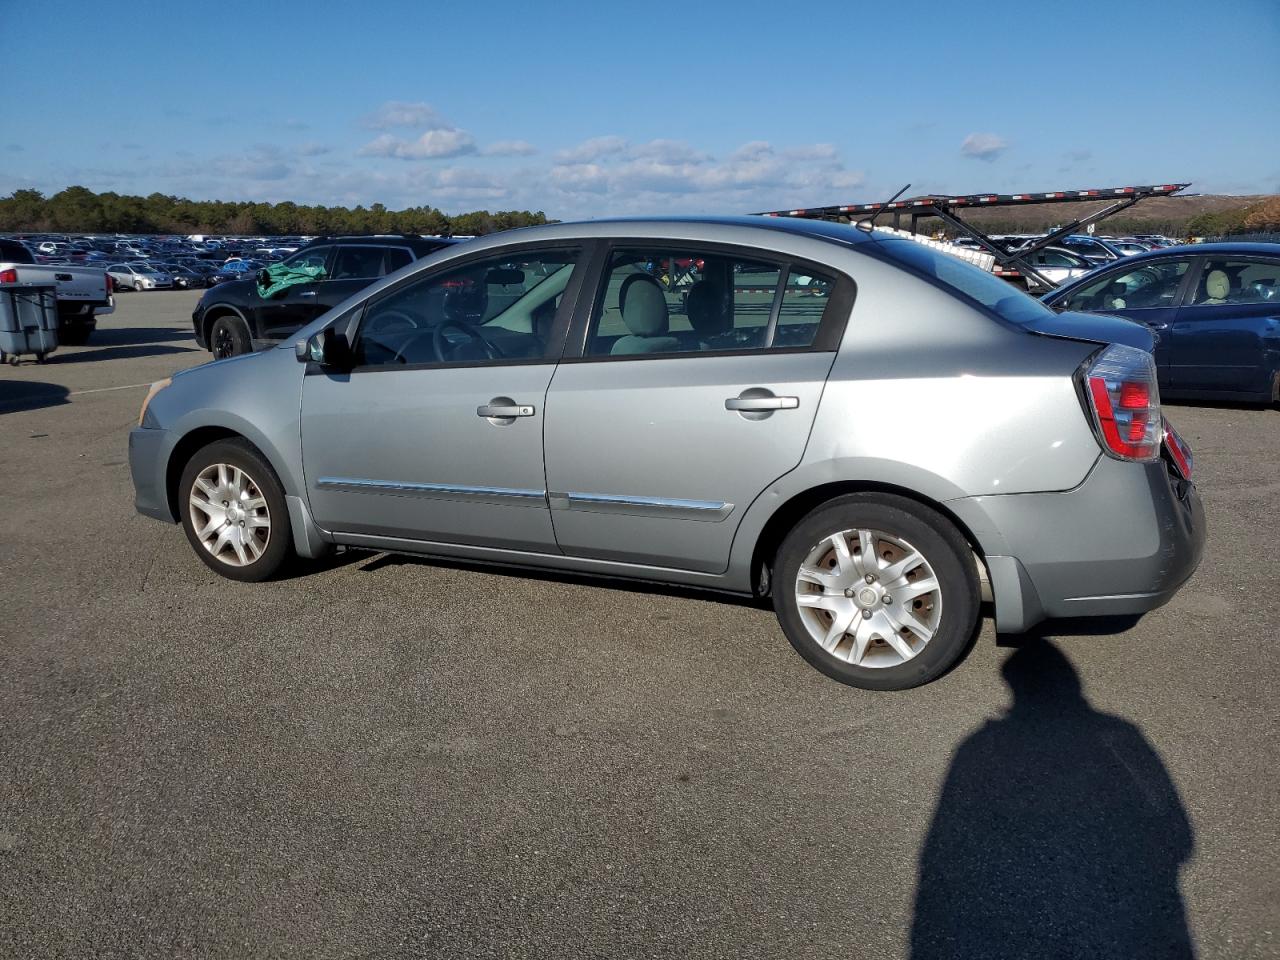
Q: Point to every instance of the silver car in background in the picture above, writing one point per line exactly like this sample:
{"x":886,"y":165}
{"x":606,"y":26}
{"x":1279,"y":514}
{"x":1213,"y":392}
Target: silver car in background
{"x":139,"y":276}
{"x":870,"y":432}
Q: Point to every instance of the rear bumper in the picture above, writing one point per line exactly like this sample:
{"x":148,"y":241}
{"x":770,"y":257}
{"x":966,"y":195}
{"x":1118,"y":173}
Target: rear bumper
{"x":148,"y":457}
{"x":1121,"y":543}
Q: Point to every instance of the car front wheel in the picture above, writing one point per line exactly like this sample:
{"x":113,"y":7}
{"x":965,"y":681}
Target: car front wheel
{"x":233,"y":511}
{"x":877,"y":591}
{"x":229,"y":338}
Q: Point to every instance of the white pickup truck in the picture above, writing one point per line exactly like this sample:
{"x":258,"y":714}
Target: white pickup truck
{"x":84,"y":293}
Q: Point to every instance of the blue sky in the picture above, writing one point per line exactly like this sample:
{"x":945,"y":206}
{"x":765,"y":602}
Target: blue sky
{"x":599,"y":108}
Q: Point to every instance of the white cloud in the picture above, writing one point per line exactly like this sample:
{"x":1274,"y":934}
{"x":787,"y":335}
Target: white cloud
{"x":669,"y":175}
{"x":402,"y":113}
{"x":984,"y":146}
{"x":510,"y":148}
{"x":592,"y":149}
{"x":432,"y":145}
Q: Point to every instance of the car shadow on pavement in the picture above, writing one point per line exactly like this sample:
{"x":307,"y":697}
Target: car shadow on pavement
{"x":129,"y":336}
{"x":93,"y":353}
{"x":561,"y":576}
{"x":1058,"y":833}
{"x":17,"y":395}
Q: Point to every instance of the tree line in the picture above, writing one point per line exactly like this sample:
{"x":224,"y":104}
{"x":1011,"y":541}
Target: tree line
{"x":80,"y":210}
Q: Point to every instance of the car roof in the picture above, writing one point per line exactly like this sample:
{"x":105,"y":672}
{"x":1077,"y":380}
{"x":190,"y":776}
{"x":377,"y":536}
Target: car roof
{"x":1227,"y":247}
{"x":384,"y":240}
{"x":824,"y":229}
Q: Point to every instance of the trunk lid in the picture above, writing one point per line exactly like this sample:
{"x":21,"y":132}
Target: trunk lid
{"x":1096,"y":328}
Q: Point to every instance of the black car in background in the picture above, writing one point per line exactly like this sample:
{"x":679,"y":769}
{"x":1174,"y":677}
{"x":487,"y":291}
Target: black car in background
{"x":231,"y":318}
{"x":1214,"y":308}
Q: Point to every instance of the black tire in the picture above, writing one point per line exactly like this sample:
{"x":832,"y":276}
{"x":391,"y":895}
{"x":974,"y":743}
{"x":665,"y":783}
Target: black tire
{"x":75,"y":334}
{"x":940,"y":544}
{"x":228,"y":337}
{"x":278,"y":548}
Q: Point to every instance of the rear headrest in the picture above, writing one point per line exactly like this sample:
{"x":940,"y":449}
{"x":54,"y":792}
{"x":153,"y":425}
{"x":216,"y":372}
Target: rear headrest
{"x":706,"y":308}
{"x":1217,"y":285}
{"x":643,"y":306}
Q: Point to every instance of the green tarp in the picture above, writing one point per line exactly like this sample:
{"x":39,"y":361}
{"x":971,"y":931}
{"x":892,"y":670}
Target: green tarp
{"x":281,"y":277}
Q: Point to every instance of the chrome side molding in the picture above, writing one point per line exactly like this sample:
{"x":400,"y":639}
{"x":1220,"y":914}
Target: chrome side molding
{"x":435,"y":491}
{"x":712,"y":511}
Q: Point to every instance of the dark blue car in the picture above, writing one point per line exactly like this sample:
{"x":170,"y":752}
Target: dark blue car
{"x":235,"y":270}
{"x":1215,"y":308}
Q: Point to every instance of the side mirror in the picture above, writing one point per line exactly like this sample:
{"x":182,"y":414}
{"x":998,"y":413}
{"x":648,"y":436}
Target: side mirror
{"x":264,"y":279}
{"x":329,"y":348}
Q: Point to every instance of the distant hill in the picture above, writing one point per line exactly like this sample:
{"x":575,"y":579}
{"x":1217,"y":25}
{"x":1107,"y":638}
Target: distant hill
{"x":1208,"y":214}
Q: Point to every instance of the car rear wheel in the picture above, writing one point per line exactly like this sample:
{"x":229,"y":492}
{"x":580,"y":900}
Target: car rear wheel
{"x":233,"y":511}
{"x":75,"y":334}
{"x":877,"y":591}
{"x":229,"y":338}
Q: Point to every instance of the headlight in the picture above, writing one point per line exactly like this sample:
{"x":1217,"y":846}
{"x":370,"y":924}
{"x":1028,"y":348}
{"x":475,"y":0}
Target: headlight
{"x":155,"y":388}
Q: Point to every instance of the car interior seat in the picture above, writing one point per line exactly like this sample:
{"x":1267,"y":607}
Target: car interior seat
{"x":708,"y":313}
{"x":1217,"y":287}
{"x":644,"y":313}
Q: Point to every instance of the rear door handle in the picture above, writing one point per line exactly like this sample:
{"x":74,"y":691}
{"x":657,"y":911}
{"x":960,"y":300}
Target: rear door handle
{"x":307,"y":293}
{"x":762,"y":403}
{"x":495,"y":411}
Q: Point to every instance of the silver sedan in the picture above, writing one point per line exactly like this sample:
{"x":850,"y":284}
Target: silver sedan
{"x":873,"y":434}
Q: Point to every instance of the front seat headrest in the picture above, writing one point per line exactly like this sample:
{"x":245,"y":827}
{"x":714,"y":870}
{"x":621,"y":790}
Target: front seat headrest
{"x":643,"y":306}
{"x":1217,"y":285}
{"x":707,"y":310}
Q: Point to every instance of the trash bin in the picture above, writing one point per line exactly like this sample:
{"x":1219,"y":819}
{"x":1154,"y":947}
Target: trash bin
{"x":28,"y":320}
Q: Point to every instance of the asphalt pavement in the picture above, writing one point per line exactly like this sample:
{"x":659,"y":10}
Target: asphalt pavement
{"x":386,"y":757}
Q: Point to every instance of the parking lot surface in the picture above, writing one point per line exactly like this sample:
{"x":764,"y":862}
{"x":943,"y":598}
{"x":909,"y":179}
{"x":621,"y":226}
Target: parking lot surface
{"x":388,"y":757}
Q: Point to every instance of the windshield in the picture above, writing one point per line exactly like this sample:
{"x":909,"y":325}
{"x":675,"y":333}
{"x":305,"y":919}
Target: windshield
{"x":966,"y":280}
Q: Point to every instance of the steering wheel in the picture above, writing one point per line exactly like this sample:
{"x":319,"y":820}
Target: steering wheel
{"x":438,"y":343}
{"x":391,"y":321}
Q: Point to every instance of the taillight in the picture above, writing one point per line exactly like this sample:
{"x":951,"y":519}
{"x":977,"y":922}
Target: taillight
{"x":1125,"y":402}
{"x":9,"y":276}
{"x":111,"y":284}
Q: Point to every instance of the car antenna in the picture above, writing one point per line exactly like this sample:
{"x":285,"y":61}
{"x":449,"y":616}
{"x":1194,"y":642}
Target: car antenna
{"x":867,"y":225}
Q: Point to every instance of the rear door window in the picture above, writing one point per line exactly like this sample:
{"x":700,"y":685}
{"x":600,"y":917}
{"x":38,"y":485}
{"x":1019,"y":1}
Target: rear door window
{"x":683,"y":300}
{"x":1226,"y":281}
{"x":357,"y":263}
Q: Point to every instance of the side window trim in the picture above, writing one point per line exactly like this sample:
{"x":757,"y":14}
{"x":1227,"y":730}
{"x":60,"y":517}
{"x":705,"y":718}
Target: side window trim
{"x":771,"y":331}
{"x":1190,"y":282}
{"x":831,"y":326}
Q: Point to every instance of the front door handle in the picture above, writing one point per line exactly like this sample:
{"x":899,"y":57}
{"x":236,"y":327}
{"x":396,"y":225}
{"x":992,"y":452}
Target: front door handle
{"x":505,"y":409}
{"x":307,"y":293}
{"x":757,"y":404}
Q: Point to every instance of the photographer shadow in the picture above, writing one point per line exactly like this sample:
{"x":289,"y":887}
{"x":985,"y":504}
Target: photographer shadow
{"x":1058,"y":833}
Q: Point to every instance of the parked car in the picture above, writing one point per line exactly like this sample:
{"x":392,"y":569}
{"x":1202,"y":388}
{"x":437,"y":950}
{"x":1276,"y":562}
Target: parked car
{"x":1215,"y":308}
{"x":186,"y":278}
{"x":543,"y":398}
{"x":234,"y":318}
{"x":83,"y":292}
{"x":234,"y":270}
{"x":1129,"y":247}
{"x":1058,"y":265}
{"x":139,"y":276}
{"x":1094,"y":249}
